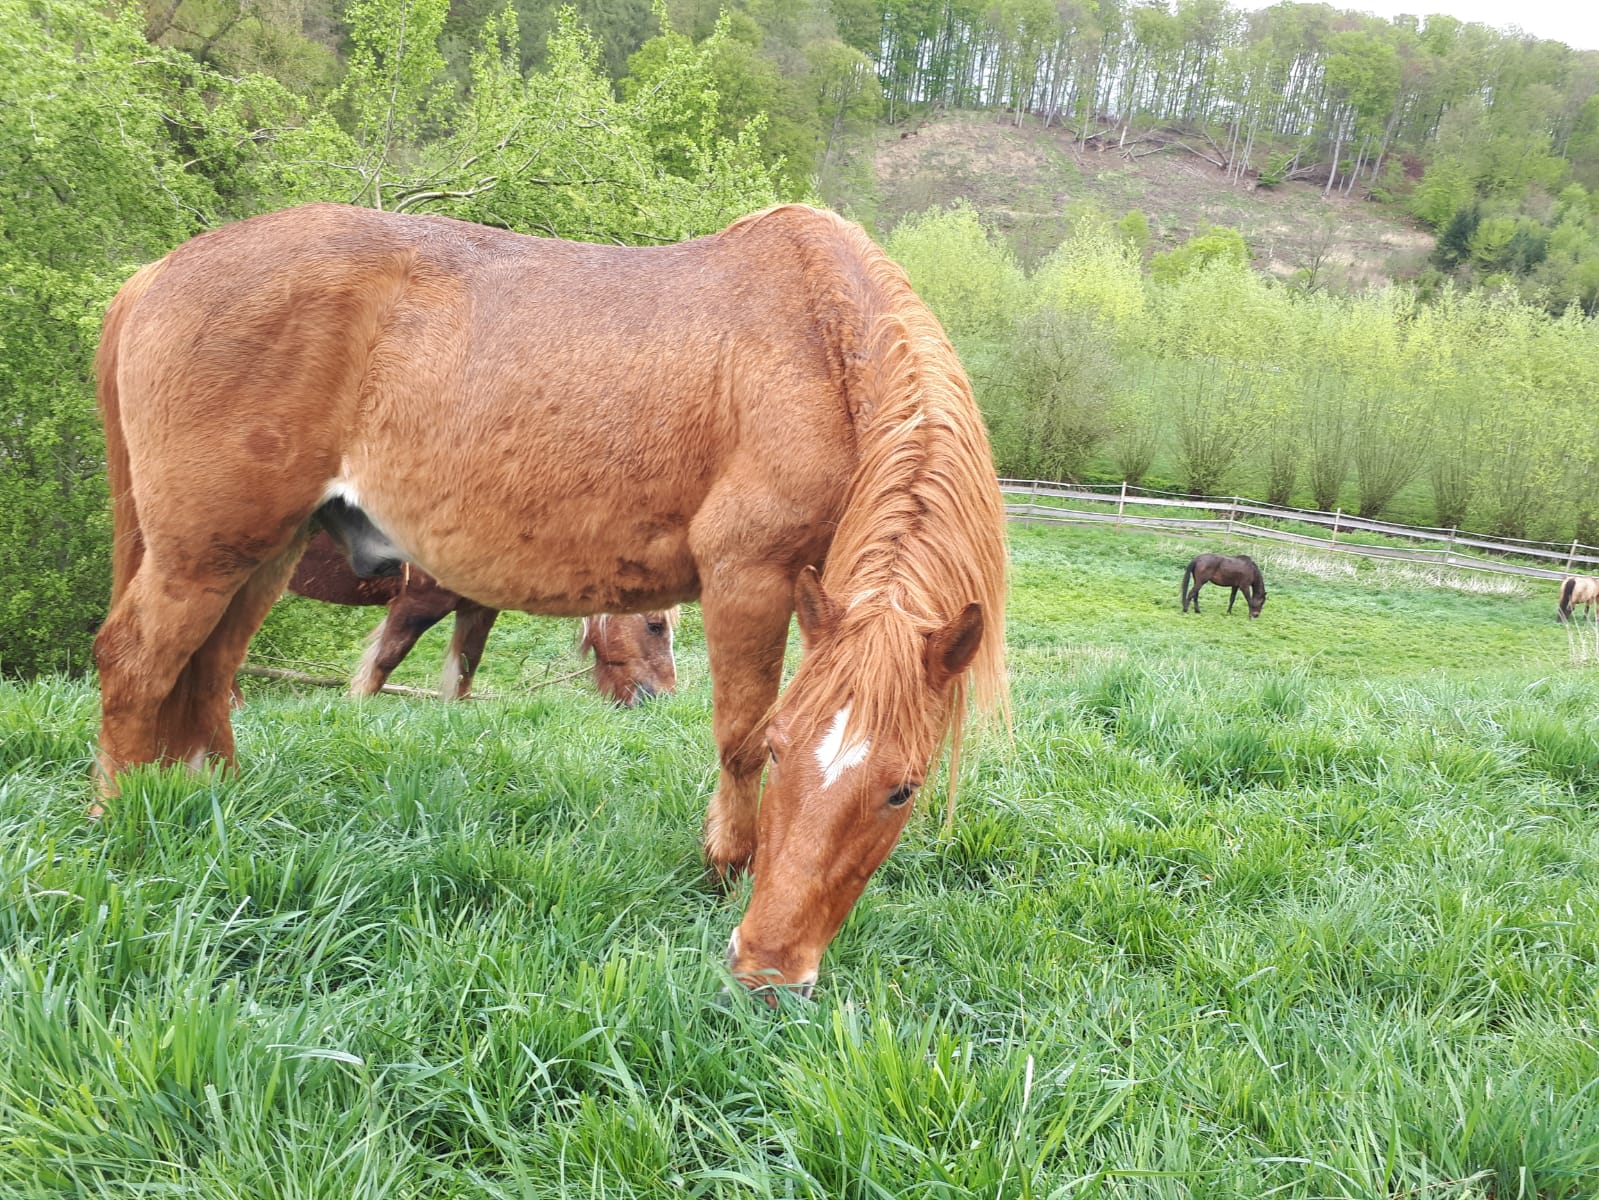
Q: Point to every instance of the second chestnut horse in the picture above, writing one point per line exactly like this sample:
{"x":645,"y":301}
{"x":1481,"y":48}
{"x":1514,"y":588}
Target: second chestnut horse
{"x":632,"y":652}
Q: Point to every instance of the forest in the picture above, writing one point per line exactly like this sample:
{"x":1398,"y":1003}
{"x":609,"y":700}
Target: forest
{"x":1462,"y":397}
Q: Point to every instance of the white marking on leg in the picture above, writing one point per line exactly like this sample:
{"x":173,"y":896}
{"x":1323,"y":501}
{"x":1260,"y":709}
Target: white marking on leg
{"x":366,"y":681}
{"x":196,"y":761}
{"x":450,"y":679}
{"x":832,"y":756}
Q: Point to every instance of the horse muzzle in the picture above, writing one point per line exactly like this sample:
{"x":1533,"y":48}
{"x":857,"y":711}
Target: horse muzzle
{"x":767,"y":983}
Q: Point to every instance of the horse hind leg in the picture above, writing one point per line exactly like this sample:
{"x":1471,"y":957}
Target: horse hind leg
{"x":167,"y":654}
{"x":197,"y":714}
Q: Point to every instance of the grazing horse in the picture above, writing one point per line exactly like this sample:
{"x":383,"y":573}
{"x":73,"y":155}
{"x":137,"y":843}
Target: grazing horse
{"x":1575,"y":590}
{"x":1237,"y":571}
{"x":632,"y":653}
{"x":766,"y":418}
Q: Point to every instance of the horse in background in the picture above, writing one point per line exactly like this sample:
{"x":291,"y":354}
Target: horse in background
{"x":767,"y":418}
{"x":1575,"y":590}
{"x":632,"y":652}
{"x":1235,"y":571}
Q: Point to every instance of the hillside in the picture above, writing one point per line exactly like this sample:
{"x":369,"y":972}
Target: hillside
{"x":1026,"y":180}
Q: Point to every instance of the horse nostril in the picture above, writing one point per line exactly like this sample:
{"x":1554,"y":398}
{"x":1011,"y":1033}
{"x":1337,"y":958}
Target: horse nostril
{"x":644,"y":690}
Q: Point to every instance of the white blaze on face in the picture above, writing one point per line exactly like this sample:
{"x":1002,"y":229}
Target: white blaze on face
{"x":832,"y":756}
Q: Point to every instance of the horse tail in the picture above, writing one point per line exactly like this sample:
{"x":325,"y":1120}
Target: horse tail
{"x":1567,"y":590}
{"x":127,"y":545}
{"x":1188,"y":575}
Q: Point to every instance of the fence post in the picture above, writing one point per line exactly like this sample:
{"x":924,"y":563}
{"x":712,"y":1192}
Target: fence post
{"x":1032,"y":504}
{"x":1232,"y":515}
{"x":1121,"y":504}
{"x":1337,"y":516}
{"x":1449,"y":554}
{"x":1572,"y":557}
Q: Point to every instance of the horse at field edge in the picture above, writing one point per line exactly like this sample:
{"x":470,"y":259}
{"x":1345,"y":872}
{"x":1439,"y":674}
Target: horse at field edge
{"x":632,"y":652}
{"x":1575,"y":590}
{"x":1236,"y":571}
{"x":766,"y":418}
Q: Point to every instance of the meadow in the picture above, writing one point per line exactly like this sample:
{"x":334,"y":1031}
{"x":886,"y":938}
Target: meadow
{"x":1301,"y":907}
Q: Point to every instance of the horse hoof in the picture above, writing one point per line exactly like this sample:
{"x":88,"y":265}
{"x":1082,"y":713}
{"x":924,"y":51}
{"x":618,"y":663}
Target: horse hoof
{"x":726,"y":875}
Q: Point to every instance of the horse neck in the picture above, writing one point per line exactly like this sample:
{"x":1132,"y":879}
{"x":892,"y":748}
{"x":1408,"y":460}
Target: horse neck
{"x":923,"y":526}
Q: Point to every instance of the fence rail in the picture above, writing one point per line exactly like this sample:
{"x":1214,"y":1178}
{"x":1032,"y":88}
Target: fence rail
{"x":1128,"y":507}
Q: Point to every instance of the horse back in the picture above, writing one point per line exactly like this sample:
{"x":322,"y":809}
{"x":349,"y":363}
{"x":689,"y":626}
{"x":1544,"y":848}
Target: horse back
{"x":506,"y":407}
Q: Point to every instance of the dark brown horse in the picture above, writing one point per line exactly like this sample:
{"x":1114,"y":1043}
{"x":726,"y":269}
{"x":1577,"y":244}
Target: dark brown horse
{"x":1236,"y":571}
{"x":767,"y":418}
{"x":1576,"y":590}
{"x":632,"y":652}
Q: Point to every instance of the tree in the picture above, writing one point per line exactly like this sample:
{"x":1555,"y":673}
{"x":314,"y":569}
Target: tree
{"x":1062,"y":375}
{"x":967,"y":277}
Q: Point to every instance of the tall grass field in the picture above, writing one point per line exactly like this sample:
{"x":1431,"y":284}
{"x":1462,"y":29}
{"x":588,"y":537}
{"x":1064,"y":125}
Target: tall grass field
{"x":1300,"y":907}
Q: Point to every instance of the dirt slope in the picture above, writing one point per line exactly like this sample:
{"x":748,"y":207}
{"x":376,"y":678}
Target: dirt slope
{"x":1027,"y":179}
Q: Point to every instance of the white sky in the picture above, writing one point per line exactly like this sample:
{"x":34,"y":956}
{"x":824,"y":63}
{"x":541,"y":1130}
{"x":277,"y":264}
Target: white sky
{"x":1575,"y":22}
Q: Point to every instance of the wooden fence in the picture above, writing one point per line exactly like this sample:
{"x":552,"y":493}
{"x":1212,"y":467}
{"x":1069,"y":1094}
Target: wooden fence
{"x":1251,"y":520}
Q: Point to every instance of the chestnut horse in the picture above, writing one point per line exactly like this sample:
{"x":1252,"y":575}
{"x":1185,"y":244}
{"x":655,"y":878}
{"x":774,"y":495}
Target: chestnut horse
{"x":767,"y":418}
{"x":1237,"y":571}
{"x":1575,"y":590}
{"x":632,"y":653}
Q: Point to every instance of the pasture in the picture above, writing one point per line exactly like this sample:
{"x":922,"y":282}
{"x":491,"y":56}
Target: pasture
{"x":1306,"y":906}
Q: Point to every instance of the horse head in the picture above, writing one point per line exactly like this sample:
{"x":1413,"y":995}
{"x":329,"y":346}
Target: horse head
{"x":1257,"y":598}
{"x":632,"y":654}
{"x":850,"y":744}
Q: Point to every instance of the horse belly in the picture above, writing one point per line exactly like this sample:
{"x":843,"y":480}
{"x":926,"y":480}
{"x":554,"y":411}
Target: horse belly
{"x":584,"y":558}
{"x":540,"y":549}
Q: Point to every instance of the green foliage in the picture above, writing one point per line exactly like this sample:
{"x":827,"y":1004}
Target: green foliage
{"x":1212,"y":244}
{"x":113,"y":151}
{"x":90,"y":184}
{"x":394,"y":87}
{"x":1444,"y":191}
{"x":556,"y":152}
{"x":1134,"y":226}
{"x":1059,"y":409}
{"x":966,"y":275}
{"x":1095,"y":272}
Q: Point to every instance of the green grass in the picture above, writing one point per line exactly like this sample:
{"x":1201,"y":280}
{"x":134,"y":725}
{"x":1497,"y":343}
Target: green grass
{"x":1306,"y":906}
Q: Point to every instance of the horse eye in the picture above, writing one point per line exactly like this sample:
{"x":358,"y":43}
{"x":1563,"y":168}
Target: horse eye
{"x":656,"y":627}
{"x":901,"y":796}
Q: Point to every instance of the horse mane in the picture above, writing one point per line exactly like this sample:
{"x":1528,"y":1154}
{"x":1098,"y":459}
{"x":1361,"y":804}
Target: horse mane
{"x":922,"y":531}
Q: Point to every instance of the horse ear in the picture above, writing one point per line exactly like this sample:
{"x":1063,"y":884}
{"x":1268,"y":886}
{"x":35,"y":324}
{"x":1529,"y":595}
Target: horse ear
{"x":950,"y":650}
{"x":817,"y":611}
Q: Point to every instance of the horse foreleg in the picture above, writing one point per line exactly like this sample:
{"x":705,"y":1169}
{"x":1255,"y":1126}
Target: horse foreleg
{"x":1231,"y":600}
{"x":746,"y":612}
{"x":472,"y":624}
